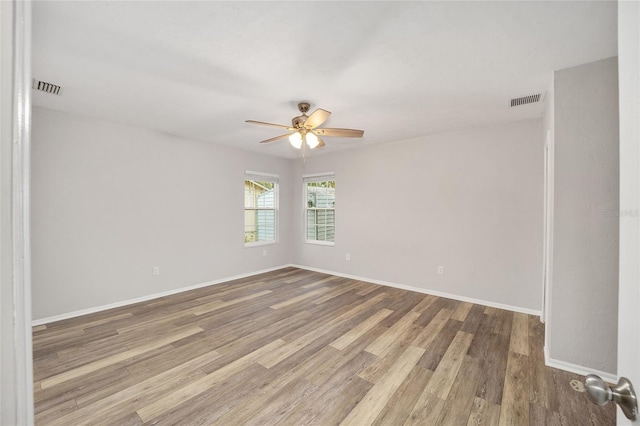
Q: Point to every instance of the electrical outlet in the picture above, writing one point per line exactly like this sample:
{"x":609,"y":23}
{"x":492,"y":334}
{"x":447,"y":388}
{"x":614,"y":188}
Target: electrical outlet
{"x":156,"y":270}
{"x":441,"y":270}
{"x":264,"y":252}
{"x":347,"y":256}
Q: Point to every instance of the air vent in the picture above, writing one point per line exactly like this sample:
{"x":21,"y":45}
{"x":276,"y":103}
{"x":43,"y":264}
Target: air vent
{"x":531,"y":99}
{"x":43,"y":86}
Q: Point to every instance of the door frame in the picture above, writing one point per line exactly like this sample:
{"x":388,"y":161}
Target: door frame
{"x":16,"y":359}
{"x":547,"y":261}
{"x":629,"y":272}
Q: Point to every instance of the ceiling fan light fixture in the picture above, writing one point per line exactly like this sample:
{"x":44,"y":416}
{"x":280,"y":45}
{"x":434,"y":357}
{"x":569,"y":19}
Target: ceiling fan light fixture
{"x":295,"y":139}
{"x":306,"y":131}
{"x":312,"y":140}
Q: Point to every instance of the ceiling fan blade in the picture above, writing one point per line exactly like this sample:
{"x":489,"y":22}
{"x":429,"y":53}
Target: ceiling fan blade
{"x":262,"y":123}
{"x":320,"y":143}
{"x":316,"y":118}
{"x":276,"y":138}
{"x":344,"y":133}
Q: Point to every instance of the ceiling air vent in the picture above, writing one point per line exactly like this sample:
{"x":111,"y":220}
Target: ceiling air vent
{"x":43,"y":86}
{"x":531,"y":99}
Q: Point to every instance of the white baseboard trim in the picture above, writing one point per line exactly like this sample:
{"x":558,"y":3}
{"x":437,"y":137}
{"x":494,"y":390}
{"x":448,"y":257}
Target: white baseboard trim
{"x":87,"y":311}
{"x":577,"y":369}
{"x":549,"y":362}
{"x":425,"y":291}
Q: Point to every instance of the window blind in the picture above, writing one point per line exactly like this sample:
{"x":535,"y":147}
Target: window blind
{"x":321,"y":177}
{"x":261,"y":177}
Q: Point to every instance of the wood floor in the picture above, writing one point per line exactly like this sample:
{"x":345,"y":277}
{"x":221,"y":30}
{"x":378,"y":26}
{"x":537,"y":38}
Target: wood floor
{"x":294,"y":347}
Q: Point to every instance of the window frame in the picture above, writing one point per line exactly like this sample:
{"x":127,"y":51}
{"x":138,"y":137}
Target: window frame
{"x":250,"y":175}
{"x":316,"y":177}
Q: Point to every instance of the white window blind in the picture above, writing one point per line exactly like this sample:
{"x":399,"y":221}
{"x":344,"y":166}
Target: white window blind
{"x":261,"y":177}
{"x":260,"y":208}
{"x":320,"y":203}
{"x":319,"y":177}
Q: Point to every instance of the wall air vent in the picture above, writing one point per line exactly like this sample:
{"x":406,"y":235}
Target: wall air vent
{"x":531,"y":99}
{"x":43,"y":86}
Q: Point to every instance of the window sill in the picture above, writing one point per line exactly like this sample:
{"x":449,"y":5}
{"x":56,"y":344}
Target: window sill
{"x":320,"y":243}
{"x":260,"y":244}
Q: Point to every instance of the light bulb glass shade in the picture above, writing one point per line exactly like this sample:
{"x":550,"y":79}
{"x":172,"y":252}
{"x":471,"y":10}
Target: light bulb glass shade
{"x":296,"y":140}
{"x":312,"y":140}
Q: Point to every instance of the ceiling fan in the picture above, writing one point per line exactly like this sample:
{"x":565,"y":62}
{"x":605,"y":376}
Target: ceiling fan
{"x":304,"y":129}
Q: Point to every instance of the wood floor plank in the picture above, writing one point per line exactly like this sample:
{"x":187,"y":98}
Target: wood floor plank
{"x":59,"y":410}
{"x":444,"y":376}
{"x":353,"y":334}
{"x":374,"y":401}
{"x":519,"y":342}
{"x":432,"y":330}
{"x":96,"y":365}
{"x":484,"y":413}
{"x":107,"y":377}
{"x":339,"y":393}
{"x":300,"y":347}
{"x":282,"y":375}
{"x":436,"y":350}
{"x":335,"y":293}
{"x":514,"y":408}
{"x":381,"y":346}
{"x":399,"y":407}
{"x":424,"y":304}
{"x":282,"y":403}
{"x":175,"y":398}
{"x":368,"y":288}
{"x":218,"y":304}
{"x":299,"y":298}
{"x":208,"y":407}
{"x":482,"y":337}
{"x":328,"y":369}
{"x":381,"y":365}
{"x":473,"y":319}
{"x":426,"y":410}
{"x":457,"y":406}
{"x":503,"y":323}
{"x":494,"y":371}
{"x":318,"y":282}
{"x":118,"y":402}
{"x":540,"y":416}
{"x":271,"y":359}
{"x":461,"y":311}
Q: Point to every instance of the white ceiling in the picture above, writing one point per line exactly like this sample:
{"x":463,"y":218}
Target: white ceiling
{"x":397,"y":70}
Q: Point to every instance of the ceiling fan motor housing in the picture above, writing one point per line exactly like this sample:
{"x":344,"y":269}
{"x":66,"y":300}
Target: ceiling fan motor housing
{"x":298,"y":122}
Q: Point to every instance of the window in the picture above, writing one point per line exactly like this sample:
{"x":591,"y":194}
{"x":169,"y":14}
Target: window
{"x":260,"y":208}
{"x":320,"y":208}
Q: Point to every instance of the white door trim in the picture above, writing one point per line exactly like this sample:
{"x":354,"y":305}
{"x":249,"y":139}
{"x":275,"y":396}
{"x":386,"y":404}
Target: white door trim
{"x":548,"y":228}
{"x":16,"y":373}
{"x":629,"y":273}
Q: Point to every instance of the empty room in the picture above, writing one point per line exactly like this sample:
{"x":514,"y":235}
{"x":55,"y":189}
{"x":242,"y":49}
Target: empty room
{"x":318,"y":213}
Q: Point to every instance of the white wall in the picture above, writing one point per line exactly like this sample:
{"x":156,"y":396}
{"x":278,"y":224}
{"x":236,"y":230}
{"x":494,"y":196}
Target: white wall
{"x":470,"y":200}
{"x":112,"y":201}
{"x":585,"y":248}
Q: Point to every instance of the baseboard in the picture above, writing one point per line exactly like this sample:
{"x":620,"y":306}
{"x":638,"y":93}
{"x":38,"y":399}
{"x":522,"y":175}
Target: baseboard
{"x":425,"y":291}
{"x":88,"y":311}
{"x":577,"y":369}
{"x":550,"y":362}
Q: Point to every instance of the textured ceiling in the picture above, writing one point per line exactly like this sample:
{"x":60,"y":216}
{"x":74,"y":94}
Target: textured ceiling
{"x":397,"y":70}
